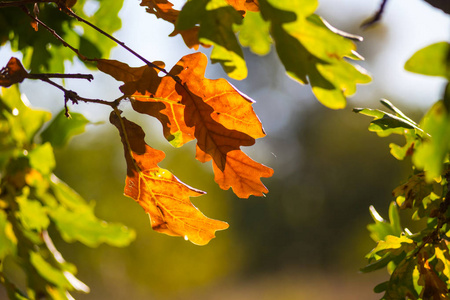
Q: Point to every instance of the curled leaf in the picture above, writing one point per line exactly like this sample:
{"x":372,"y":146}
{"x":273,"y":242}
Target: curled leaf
{"x":159,"y":192}
{"x":13,"y":73}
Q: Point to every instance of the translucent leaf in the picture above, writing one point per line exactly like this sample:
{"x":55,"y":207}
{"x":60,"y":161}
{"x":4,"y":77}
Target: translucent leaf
{"x":13,"y":73}
{"x":311,"y":52}
{"x":401,"y":283}
{"x":393,"y":244}
{"x":8,"y":240}
{"x":433,"y":152}
{"x":62,"y":129}
{"x":42,"y":159}
{"x":431,"y":60}
{"x":212,"y":111}
{"x":254,"y":33}
{"x":76,"y":221}
{"x":160,"y":193}
{"x":380,"y":229}
{"x":24,"y":121}
{"x":413,"y":191}
{"x":32,"y":214}
{"x":82,"y":225}
{"x":216,"y":19}
{"x":433,"y":286}
{"x":443,"y":256}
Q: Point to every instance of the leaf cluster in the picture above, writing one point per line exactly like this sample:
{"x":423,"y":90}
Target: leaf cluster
{"x":418,"y":263}
{"x":34,"y":202}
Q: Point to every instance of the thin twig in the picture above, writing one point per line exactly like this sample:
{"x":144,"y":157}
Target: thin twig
{"x":57,"y":75}
{"x":23,"y":2}
{"x":74,"y":97}
{"x":53,"y":32}
{"x":375,"y":18}
{"x":120,"y":43}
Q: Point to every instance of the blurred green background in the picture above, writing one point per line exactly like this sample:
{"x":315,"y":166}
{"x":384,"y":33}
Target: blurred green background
{"x":307,"y":238}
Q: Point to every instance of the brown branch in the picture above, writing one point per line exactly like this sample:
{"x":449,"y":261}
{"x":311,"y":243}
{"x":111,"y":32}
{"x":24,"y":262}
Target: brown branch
{"x":42,"y":76}
{"x":376,"y":17}
{"x":74,"y":97}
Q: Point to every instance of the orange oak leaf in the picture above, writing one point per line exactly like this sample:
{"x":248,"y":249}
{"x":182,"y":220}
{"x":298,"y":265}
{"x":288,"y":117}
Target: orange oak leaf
{"x":159,"y":192}
{"x":212,"y":111}
{"x":223,"y":120}
{"x":152,"y":95}
{"x":13,"y":73}
{"x":164,"y":9}
{"x":244,"y":5}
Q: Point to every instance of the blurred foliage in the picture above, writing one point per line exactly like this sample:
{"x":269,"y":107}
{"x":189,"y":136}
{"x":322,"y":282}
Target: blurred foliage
{"x":34,"y":200}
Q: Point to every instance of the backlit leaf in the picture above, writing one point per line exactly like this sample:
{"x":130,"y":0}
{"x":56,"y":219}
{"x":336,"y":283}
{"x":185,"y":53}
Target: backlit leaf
{"x":393,"y":244}
{"x":380,"y":229}
{"x":412,"y":192}
{"x":164,"y":9}
{"x":431,"y":60}
{"x":24,"y":121}
{"x":433,"y":152}
{"x":42,"y":159}
{"x":401,"y":283}
{"x":442,"y":254}
{"x":385,"y":124}
{"x":244,"y":5}
{"x":311,"y":52}
{"x":8,"y":240}
{"x":254,"y":33}
{"x":161,"y":194}
{"x":32,"y":214}
{"x":82,"y":225}
{"x":216,"y":19}
{"x":433,"y":286}
{"x":76,"y":221}
{"x":62,"y":129}
{"x":212,"y":111}
{"x":13,"y":73}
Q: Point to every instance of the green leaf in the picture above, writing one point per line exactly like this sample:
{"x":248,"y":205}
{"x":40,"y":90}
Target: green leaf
{"x":310,"y":51}
{"x":254,"y":33}
{"x":380,"y":229}
{"x":76,"y":221}
{"x":431,"y":60}
{"x":385,"y":124}
{"x":433,"y":152}
{"x":216,"y":19}
{"x":62,"y":129}
{"x":443,"y":256}
{"x":32,"y":214}
{"x":401,"y":283}
{"x":42,"y":159}
{"x":411,"y":193}
{"x":24,"y":121}
{"x":393,"y":244}
{"x":82,"y":225}
{"x":48,"y":272}
{"x":8,"y":240}
{"x":378,"y":264}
